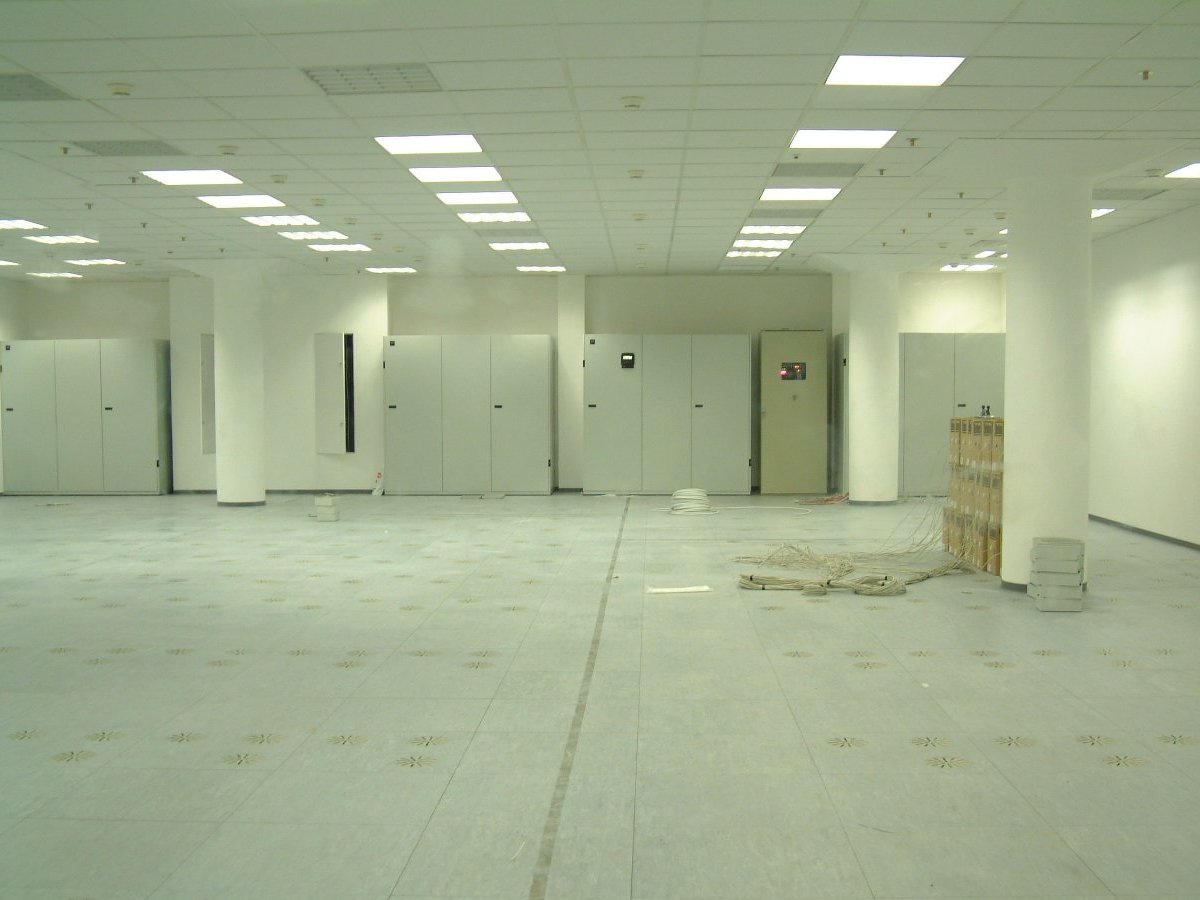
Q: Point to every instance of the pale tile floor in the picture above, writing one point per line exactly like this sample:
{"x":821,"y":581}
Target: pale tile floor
{"x":246,"y":703}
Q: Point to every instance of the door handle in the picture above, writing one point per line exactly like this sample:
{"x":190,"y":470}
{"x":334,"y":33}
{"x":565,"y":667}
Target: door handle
{"x":591,"y":406}
{"x":108,"y":409}
{"x":699,"y":406}
{"x":391,"y":406}
{"x":497,"y":406}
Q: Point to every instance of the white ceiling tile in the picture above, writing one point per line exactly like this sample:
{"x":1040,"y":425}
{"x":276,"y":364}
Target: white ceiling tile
{"x":528,"y":100}
{"x":31,"y":111}
{"x":630,"y":39}
{"x":1128,"y":72}
{"x":635,"y":139}
{"x":885,"y":98}
{"x":757,"y":139}
{"x":962,"y":120}
{"x":765,"y":38}
{"x":209,"y":52}
{"x":907,"y":38}
{"x":272,"y":107}
{"x":483,"y":125}
{"x":937,"y":10}
{"x":1111,"y":98}
{"x":474,"y":76}
{"x":96,"y":85}
{"x":613,"y":98}
{"x":954,"y":97}
{"x":1168,"y":120}
{"x":1069,"y":11}
{"x":632,"y":71}
{"x":153,"y":18}
{"x":764,"y":70}
{"x":396,"y":108}
{"x":131,"y":109}
{"x":1189,"y":99}
{"x":752,"y":119}
{"x":77,"y":56}
{"x":1166,"y":40}
{"x":1074,"y":120}
{"x":1003,"y":71}
{"x":1079,"y":40}
{"x":348,"y":48}
{"x":212,"y":132}
{"x":307,"y":128}
{"x":246,"y":82}
{"x":644,"y":120}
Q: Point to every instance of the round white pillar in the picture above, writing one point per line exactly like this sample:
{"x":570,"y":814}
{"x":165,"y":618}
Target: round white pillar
{"x":873,"y":386}
{"x":238,"y":370}
{"x":1046,"y":367}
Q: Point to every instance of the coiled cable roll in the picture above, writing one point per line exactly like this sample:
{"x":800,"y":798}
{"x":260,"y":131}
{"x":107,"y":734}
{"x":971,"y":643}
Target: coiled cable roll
{"x":691,"y":501}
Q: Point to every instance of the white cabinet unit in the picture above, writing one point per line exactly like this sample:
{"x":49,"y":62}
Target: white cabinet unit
{"x":87,"y":416}
{"x":943,"y":376}
{"x":468,"y":414}
{"x":794,"y":391}
{"x":666,"y":411}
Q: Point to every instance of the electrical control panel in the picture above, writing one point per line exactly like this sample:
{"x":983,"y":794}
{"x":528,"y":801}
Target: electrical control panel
{"x":793,"y":371}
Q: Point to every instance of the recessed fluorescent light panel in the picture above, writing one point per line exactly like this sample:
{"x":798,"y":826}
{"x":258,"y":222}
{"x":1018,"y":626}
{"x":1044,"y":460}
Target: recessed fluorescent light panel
{"x":314,"y":235}
{"x":769,"y":254}
{"x":192,"y":176}
{"x":95,"y":262}
{"x":16,"y":224}
{"x":481,"y":217}
{"x":280,"y":220}
{"x":391,"y":270}
{"x":1192,"y":171}
{"x":775,"y":194}
{"x":60,"y":239}
{"x":985,"y":254}
{"x":241,"y":201}
{"x":430,"y":143}
{"x":964,"y":267}
{"x":54,"y":274}
{"x":334,"y":248}
{"x":520,"y":245}
{"x":764,"y":245}
{"x":1097,"y":213}
{"x":456,"y":173}
{"x":1004,"y":231}
{"x":5,"y":262}
{"x":773,"y":229}
{"x":477,"y":198}
{"x":834,"y":139}
{"x":541,"y":268}
{"x":893,"y":71}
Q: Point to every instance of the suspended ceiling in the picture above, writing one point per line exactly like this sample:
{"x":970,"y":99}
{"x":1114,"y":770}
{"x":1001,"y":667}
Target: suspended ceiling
{"x":638,"y":136}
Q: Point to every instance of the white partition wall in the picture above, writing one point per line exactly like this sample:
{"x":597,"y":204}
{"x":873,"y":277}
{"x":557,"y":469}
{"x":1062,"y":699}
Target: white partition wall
{"x":468,"y":414}
{"x":87,"y":416}
{"x":675,"y":415}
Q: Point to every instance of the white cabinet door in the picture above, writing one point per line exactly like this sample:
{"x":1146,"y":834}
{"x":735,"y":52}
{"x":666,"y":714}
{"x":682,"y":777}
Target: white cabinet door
{"x":721,"y":413}
{"x":30,"y":440}
{"x":979,"y":373}
{"x":412,"y":386}
{"x":666,"y":412}
{"x":466,"y":420}
{"x":520,"y":413}
{"x":926,"y":407}
{"x":612,"y":414}
{"x":78,"y":414}
{"x":130,"y":396}
{"x":329,"y":397}
{"x":794,"y":416}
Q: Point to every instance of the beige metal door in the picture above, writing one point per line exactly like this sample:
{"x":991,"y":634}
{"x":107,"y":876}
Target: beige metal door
{"x":794,"y":383}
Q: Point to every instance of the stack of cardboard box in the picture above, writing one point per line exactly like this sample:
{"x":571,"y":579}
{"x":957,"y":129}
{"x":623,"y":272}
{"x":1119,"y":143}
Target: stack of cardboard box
{"x":973,"y":515}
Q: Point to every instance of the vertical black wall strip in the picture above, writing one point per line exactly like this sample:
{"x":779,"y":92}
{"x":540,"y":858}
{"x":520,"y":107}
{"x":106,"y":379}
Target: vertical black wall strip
{"x":348,"y":370}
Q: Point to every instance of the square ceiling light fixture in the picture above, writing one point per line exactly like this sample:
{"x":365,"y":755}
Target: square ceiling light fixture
{"x":519,"y":245}
{"x":834,"y":139}
{"x":391,"y":270}
{"x":1097,"y":213}
{"x":5,"y":262}
{"x":768,"y":254}
{"x":478,"y":218}
{"x":456,"y":173}
{"x":1192,"y":171}
{"x":191,"y":176}
{"x":54,"y":274}
{"x":763,"y":245}
{"x":773,"y":229}
{"x":94,"y":262}
{"x":241,"y":201}
{"x":60,"y":239}
{"x":541,"y":268}
{"x":280,"y":220}
{"x":477,"y":198}
{"x":335,"y":248}
{"x":430,"y":143}
{"x":314,"y":235}
{"x":19,"y":224}
{"x":893,"y":71}
{"x":777,"y":194}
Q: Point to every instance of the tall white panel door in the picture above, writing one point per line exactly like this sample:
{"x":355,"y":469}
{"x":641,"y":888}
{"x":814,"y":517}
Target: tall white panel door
{"x":666,"y":412}
{"x":412,"y":388}
{"x":329,"y":382}
{"x":721,"y":413}
{"x":78,"y":415}
{"x":30,"y":434}
{"x":130,"y":396}
{"x":466,"y":419}
{"x":979,"y":373}
{"x":520,"y":413}
{"x":794,"y":415}
{"x":612,"y":414}
{"x":926,"y":407}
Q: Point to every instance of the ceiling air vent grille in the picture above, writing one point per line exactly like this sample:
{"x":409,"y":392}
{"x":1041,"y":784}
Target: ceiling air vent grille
{"x":17,"y":86}
{"x":128,"y":148}
{"x":390,"y":78}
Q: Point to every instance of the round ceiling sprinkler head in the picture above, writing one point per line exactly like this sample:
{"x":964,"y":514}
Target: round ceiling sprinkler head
{"x":120,"y":88}
{"x":637,"y":173}
{"x":632,"y":101}
{"x":227,"y":150}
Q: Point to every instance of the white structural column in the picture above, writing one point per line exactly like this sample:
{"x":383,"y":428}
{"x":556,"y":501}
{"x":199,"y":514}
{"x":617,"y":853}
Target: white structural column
{"x":1046,"y":366}
{"x":238,"y":299}
{"x":570,"y":380}
{"x":873,"y":385}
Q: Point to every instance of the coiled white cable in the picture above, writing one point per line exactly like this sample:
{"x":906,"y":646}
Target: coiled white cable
{"x":691,"y":501}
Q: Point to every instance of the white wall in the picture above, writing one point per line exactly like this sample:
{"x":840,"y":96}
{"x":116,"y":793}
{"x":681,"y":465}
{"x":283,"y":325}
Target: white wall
{"x":1145,"y":431}
{"x":12,"y":309}
{"x":191,"y":306}
{"x":504,"y":304}
{"x":954,"y":302}
{"x":97,"y":309}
